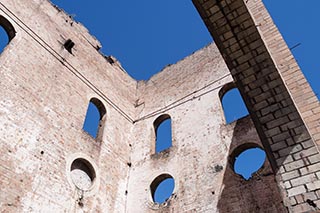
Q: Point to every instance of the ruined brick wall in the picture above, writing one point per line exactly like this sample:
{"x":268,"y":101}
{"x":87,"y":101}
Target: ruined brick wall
{"x":258,"y":194}
{"x":46,"y":91}
{"x":202,"y":144}
{"x":282,"y":105}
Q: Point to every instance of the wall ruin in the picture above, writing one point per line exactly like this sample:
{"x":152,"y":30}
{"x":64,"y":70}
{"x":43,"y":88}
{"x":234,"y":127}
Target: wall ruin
{"x":46,"y":89}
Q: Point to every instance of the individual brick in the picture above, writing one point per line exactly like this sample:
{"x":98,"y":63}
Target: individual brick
{"x":310,"y":196}
{"x":303,"y":180}
{"x":290,"y":175}
{"x":306,"y":153}
{"x":294,"y":165}
{"x":314,"y":158}
{"x":313,"y":186}
{"x":310,"y":169}
{"x":296,"y":190}
{"x":290,"y":150}
{"x":278,"y":146}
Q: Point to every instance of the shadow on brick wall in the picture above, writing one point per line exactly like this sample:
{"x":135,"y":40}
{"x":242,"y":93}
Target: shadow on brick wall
{"x":258,"y":194}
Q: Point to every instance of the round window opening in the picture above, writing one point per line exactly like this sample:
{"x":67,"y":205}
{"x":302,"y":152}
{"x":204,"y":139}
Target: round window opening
{"x":82,"y":174}
{"x":162,"y":188}
{"x":249,"y":161}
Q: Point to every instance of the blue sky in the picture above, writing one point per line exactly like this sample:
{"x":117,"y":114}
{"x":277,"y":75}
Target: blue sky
{"x":147,"y":35}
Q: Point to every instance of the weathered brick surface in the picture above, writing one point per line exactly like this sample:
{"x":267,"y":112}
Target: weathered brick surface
{"x":282,"y":105}
{"x":46,"y":91}
{"x":42,"y":110}
{"x":201,"y":142}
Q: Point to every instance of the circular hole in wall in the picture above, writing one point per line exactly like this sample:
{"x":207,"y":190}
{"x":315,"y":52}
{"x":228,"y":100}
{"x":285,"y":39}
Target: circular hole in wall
{"x":82,"y":173}
{"x":162,"y":188}
{"x":249,"y":161}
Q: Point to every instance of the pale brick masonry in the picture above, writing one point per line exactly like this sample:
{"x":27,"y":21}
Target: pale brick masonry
{"x":45,"y":92}
{"x":281,"y":103}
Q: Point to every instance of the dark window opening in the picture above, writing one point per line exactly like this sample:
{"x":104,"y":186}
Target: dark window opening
{"x":232,"y":103}
{"x":247,"y":160}
{"x":94,"y":115}
{"x":82,"y":174}
{"x":162,"y":188}
{"x":7,"y":33}
{"x":69,"y":44}
{"x":163,"y":133}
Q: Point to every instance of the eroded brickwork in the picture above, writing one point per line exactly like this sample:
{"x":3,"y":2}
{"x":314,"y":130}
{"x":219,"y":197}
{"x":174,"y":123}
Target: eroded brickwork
{"x":281,"y":103}
{"x":42,"y":109}
{"x":199,"y":159}
{"x":46,"y":89}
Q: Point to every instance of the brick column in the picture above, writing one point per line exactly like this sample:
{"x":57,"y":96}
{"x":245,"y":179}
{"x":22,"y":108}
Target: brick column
{"x":284,"y":109}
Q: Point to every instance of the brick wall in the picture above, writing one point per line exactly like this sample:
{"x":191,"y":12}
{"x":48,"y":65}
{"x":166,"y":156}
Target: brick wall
{"x":46,"y":91}
{"x":277,"y":95}
{"x":201,"y":142}
{"x":42,"y":111}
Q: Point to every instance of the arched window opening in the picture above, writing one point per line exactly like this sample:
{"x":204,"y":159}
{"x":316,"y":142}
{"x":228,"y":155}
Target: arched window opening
{"x":95,"y":113}
{"x":247,"y":160}
{"x":82,"y":174}
{"x":232,"y":103}
{"x":7,"y":33}
{"x":163,"y":132}
{"x":162,"y":188}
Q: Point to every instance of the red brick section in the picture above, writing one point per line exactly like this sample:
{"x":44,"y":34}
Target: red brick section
{"x":281,"y":103}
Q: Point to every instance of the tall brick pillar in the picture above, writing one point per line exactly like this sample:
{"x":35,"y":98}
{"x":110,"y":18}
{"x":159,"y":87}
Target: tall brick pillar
{"x":284,"y":109}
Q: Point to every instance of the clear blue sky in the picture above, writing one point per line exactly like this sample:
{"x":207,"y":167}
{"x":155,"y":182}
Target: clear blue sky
{"x":147,"y":35}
